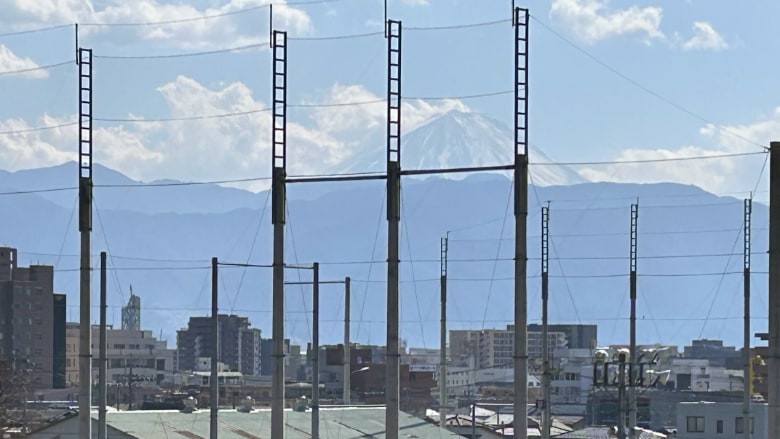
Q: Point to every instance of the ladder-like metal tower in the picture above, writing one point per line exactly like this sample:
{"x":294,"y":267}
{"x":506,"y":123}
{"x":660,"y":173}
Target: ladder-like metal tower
{"x":392,"y":378}
{"x":85,"y":227}
{"x":278,"y":207}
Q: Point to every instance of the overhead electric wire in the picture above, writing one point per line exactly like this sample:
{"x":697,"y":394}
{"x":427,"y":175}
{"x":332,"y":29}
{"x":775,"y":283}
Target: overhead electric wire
{"x":186,"y":54}
{"x":108,"y":249}
{"x":498,"y":249}
{"x":370,"y":268}
{"x":659,"y":160}
{"x":39,"y":128}
{"x":36,"y":68}
{"x":456,"y":26}
{"x":32,"y":31}
{"x":411,"y":268}
{"x":463,"y":97}
{"x":207,"y":17}
{"x":336,"y":37}
{"x":249,"y":254}
{"x":644,"y":88}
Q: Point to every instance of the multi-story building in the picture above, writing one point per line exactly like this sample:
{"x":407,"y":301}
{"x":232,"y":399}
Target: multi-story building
{"x":577,"y":336}
{"x":721,"y":420}
{"x":712,"y":350}
{"x":240,"y":346}
{"x":132,"y":356}
{"x":72,"y":354}
{"x":495,"y":347}
{"x":32,"y":320}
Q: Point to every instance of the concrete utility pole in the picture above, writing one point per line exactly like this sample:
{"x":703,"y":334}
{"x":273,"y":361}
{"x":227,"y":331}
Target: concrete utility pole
{"x":347,"y":360}
{"x":746,"y":334}
{"x":633,"y":360}
{"x":214,"y":380}
{"x":774,"y":290}
{"x":443,"y":337}
{"x":315,"y":357}
{"x":621,"y":424}
{"x":278,"y":206}
{"x":546,"y":421}
{"x":392,"y":366}
{"x":520,"y":421}
{"x":102,"y":385}
{"x":85,"y":227}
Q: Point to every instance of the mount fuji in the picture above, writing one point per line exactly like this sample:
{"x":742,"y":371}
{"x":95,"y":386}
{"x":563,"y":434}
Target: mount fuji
{"x":462,"y":139}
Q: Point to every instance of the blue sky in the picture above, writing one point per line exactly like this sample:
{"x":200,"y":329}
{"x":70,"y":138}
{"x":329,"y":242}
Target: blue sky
{"x":611,"y":80}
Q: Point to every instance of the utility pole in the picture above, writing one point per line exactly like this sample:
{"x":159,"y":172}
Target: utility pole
{"x":443,"y":337}
{"x":103,"y":362}
{"x":746,"y":334}
{"x":392,"y":379}
{"x":214,"y":380}
{"x":520,"y":421}
{"x":347,"y":360}
{"x":130,"y":387}
{"x":632,"y":394}
{"x":315,"y":357}
{"x":621,"y":424}
{"x":85,"y":227}
{"x":774,"y":290}
{"x":546,"y":421}
{"x":278,"y":206}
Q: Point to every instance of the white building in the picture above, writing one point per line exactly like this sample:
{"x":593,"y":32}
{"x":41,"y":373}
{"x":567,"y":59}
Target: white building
{"x":700,"y":420}
{"x":133,"y":355}
{"x":698,"y":375}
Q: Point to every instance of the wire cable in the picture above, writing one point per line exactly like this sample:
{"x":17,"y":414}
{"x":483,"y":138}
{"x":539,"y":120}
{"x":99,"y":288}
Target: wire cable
{"x":251,"y":249}
{"x":37,"y":68}
{"x":370,"y":269}
{"x":411,"y":268}
{"x":456,"y":26}
{"x":660,"y":160}
{"x":644,"y":88}
{"x":185,"y":55}
{"x":32,"y":31}
{"x":39,"y":128}
{"x":498,"y":250}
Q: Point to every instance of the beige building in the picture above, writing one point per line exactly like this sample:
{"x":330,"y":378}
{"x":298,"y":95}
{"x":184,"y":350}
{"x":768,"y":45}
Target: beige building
{"x":139,"y":352}
{"x":71,"y":354}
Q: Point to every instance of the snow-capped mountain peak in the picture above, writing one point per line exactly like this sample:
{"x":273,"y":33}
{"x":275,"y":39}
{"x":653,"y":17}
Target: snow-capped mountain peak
{"x":461,"y":139}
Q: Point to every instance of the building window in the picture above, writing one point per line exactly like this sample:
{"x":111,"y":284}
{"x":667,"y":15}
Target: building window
{"x":739,"y":425}
{"x":719,"y":426}
{"x":695,"y":424}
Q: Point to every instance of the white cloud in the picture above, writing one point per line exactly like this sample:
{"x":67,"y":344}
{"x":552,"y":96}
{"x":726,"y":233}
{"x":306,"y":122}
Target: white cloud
{"x":592,"y":21}
{"x":318,"y":139}
{"x":704,"y":38}
{"x":724,"y":176}
{"x":230,"y":28}
{"x":10,"y":62}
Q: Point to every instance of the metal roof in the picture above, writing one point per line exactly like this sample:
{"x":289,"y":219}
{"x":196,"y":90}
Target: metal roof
{"x":335,"y":423}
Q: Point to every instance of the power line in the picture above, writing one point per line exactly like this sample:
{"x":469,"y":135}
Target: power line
{"x":39,"y":128}
{"x":32,"y":31}
{"x":336,"y":37}
{"x":642,"y":87}
{"x":185,"y":55}
{"x":209,"y":17}
{"x":456,"y":26}
{"x":667,"y":159}
{"x":462,"y":97}
{"x":37,"y":68}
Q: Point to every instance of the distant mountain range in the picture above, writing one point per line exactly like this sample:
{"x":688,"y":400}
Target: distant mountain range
{"x":161,"y":236}
{"x":161,"y":239}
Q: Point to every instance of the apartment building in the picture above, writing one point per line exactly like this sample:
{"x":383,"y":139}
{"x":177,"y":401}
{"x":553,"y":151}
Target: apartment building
{"x":32,"y":321}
